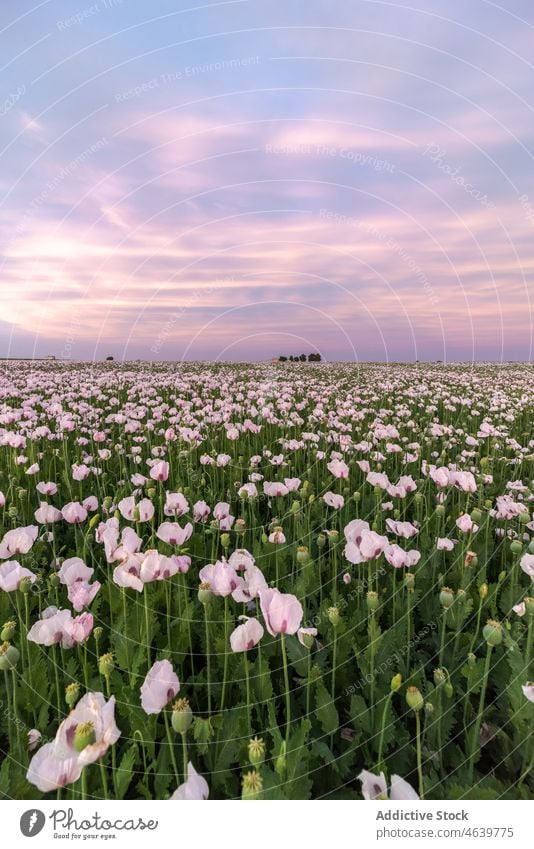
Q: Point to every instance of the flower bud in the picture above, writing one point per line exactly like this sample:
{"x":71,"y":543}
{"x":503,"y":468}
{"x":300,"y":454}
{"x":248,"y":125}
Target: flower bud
{"x":429,"y":708}
{"x":252,"y":785}
{"x":8,"y":629}
{"x":448,"y":689}
{"x":321,"y":541}
{"x":471,"y":660}
{"x":225,"y":540}
{"x":414,"y":699}
{"x":440,"y":510}
{"x":516,"y":547}
{"x":357,"y":496}
{"x":9,"y":656}
{"x":72,"y":692}
{"x":97,"y":632}
{"x":476,"y":516}
{"x":295,"y":508}
{"x":106,"y":664}
{"x":256,"y":751}
{"x":333,"y":536}
{"x":151,"y":492}
{"x":280,"y":763}
{"x":483,"y":591}
{"x":446,"y":597}
{"x":502,"y":576}
{"x":529,"y":605}
{"x":524,"y":518}
{"x":396,"y":682}
{"x":107,"y":502}
{"x":84,"y":736}
{"x":409,"y":580}
{"x":182,"y":716}
{"x":53,"y":580}
{"x":471,"y":559}
{"x":492,"y":632}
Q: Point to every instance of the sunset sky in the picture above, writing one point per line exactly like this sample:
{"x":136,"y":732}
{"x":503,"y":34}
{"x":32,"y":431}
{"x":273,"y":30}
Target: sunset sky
{"x":241,"y":179}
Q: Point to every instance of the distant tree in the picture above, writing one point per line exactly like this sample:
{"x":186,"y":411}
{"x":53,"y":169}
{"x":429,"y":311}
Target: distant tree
{"x":302,"y":358}
{"x":109,"y":358}
{"x":282,"y":359}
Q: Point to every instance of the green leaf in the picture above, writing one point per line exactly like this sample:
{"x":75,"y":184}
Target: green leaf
{"x":123,"y":774}
{"x":325,"y":709}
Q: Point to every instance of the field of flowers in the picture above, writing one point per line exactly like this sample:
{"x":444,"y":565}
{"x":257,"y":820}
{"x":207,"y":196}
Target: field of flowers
{"x":266,"y":581}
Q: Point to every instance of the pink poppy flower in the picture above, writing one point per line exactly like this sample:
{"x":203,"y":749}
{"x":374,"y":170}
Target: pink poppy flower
{"x":11,"y":574}
{"x":528,"y":690}
{"x":527,"y":565}
{"x":47,"y":513}
{"x":81,"y":594}
{"x":74,"y":513}
{"x":302,"y":633}
{"x":338,"y":468}
{"x":127,"y":573}
{"x":173,"y":534}
{"x":292,"y":484}
{"x":444,"y":544}
{"x":159,"y":687}
{"x":59,"y":763}
{"x":465,"y":524}
{"x":331,"y":499}
{"x":254,"y":582}
{"x":159,"y":471}
{"x":201,"y":511}
{"x":520,"y":608}
{"x":246,"y":636}
{"x":221,"y":510}
{"x":402,"y":529}
{"x":282,"y":612}
{"x":221,"y":577}
{"x":241,"y":559}
{"x":375,"y":787}
{"x":74,"y":569}
{"x":248,"y":489}
{"x":46,"y":488}
{"x":195,"y":788}
{"x":18,"y":541}
{"x":397,"y":557}
{"x":440,"y":476}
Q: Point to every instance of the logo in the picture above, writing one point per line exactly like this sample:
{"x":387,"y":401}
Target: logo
{"x":32,"y":822}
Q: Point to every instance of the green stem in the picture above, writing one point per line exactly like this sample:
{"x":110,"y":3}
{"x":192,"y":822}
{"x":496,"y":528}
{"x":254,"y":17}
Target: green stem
{"x":208,"y":656}
{"x":247,"y":684}
{"x":184,"y":753}
{"x":226,"y":652}
{"x":419,"y":760}
{"x":478,"y":722}
{"x":171,"y":745}
{"x":286,"y":682}
{"x":379,"y":764}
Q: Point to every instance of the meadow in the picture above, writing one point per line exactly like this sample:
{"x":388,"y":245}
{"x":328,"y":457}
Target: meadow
{"x":269,"y":581}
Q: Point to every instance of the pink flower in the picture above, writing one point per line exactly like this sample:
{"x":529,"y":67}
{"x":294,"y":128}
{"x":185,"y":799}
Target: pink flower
{"x":195,"y":788}
{"x":444,"y":544}
{"x":277,"y":537}
{"x":378,"y":479}
{"x":465,"y":524}
{"x":221,"y":510}
{"x":372,"y":545}
{"x":76,"y":631}
{"x":201,"y":511}
{"x":246,"y":636}
{"x":146,"y":510}
{"x":402,"y":529}
{"x":11,"y":574}
{"x":58,"y":626}
{"x":375,"y":787}
{"x":159,"y":687}
{"x":305,"y":632}
{"x":74,"y":513}
{"x":333,"y":500}
{"x":520,"y":608}
{"x":81,"y":594}
{"x":528,"y":690}
{"x":274,"y":490}
{"x":221,"y":577}
{"x":527,"y":565}
{"x":292,"y":484}
{"x":440,"y":476}
{"x":397,"y":557}
{"x":47,"y":513}
{"x":46,"y":488}
{"x":159,"y":471}
{"x":338,"y":468}
{"x":173,"y":534}
{"x":74,"y":569}
{"x":59,"y":763}
{"x":252,"y":585}
{"x":127,"y":573}
{"x":18,"y":541}
{"x":248,"y":489}
{"x":156,"y":567}
{"x":80,"y":473}
{"x":241,"y":559}
{"x":282,"y":612}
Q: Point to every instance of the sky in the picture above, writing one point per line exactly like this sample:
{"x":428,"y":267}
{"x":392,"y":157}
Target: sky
{"x":242,"y":179}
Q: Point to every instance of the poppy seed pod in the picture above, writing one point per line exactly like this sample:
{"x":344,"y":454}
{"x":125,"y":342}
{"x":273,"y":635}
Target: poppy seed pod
{"x":396,"y":682}
{"x":492,"y":632}
{"x":9,"y":656}
{"x":182,"y":716}
{"x":106,"y":664}
{"x":84,"y":735}
{"x":371,"y":600}
{"x":256,"y":751}
{"x":446,"y":597}
{"x":8,"y":629}
{"x":204,"y":593}
{"x":72,"y":693}
{"x":252,"y":785}
{"x":516,"y":547}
